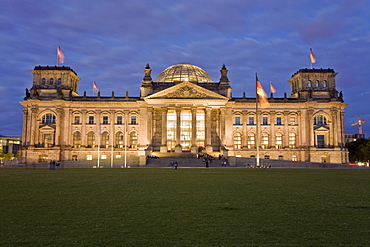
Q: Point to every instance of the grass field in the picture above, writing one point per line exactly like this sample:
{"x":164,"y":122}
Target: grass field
{"x":184,"y":207}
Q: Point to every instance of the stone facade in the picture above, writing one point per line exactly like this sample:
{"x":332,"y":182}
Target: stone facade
{"x":182,"y":111}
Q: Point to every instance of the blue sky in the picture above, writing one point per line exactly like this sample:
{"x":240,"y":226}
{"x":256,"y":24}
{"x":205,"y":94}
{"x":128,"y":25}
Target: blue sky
{"x":111,"y":41}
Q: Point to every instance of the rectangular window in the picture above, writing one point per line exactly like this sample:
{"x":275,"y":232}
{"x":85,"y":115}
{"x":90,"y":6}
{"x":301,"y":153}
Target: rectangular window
{"x":89,"y":157}
{"x":251,"y":121}
{"x":278,"y":121}
{"x":104,"y":157}
{"x":292,"y":120}
{"x":237,"y":121}
{"x":320,"y":141}
{"x":119,"y":119}
{"x":264,"y":121}
{"x":118,"y":156}
{"x":105,"y":120}
{"x":77,"y":119}
{"x":133,"y":120}
{"x":91,"y":119}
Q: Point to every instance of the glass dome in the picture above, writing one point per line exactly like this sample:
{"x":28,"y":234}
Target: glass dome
{"x":184,"y":72}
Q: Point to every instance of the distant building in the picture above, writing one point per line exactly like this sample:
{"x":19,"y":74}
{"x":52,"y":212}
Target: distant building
{"x":10,"y":144}
{"x":353,"y":137}
{"x":183,"y":110}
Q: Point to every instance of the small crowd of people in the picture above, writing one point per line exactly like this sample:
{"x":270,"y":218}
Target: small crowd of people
{"x":261,"y":166}
{"x":54,"y":165}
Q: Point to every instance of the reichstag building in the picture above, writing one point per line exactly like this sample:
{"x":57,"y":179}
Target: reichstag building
{"x":182,"y":110}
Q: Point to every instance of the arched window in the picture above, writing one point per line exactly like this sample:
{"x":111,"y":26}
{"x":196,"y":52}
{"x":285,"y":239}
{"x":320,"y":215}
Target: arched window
{"x":51,"y":82}
{"x":319,"y":120}
{"x":237,"y":141}
{"x":264,"y":140}
{"x":104,"y":140}
{"x":292,"y":140}
{"x":59,"y":81}
{"x":48,"y":119}
{"x":77,"y":139}
{"x":43,"y":81}
{"x":324,"y":84}
{"x":316,"y":83}
{"x":279,"y":140}
{"x":309,"y":84}
{"x":133,"y":139}
{"x":251,"y":140}
{"x":120,"y":141}
{"x":90,"y":139}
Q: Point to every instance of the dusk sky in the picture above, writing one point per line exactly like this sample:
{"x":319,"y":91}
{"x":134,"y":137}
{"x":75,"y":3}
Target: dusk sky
{"x":111,"y":41}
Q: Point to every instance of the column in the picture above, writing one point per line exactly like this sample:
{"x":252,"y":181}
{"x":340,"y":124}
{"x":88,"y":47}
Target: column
{"x":194,"y":148}
{"x":59,"y":118}
{"x":163,"y":148}
{"x":208,"y":130}
{"x":222,"y":126}
{"x":33,"y":125}
{"x":178,"y":148}
{"x":25,"y":126}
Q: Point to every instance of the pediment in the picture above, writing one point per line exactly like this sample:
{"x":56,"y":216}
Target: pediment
{"x":321,"y":128}
{"x":186,"y":90}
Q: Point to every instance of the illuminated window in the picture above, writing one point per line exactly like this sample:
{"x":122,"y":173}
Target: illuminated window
{"x":89,"y":157}
{"x":294,"y":158}
{"x":265,"y":140}
{"x":292,"y":120}
{"x":77,"y":139}
{"x":185,"y":129}
{"x":133,"y":139}
{"x":237,"y":141}
{"x":118,"y":156}
{"x":104,"y":140}
{"x":251,"y":140}
{"x":48,"y":119}
{"x":171,"y":129}
{"x":90,"y":139}
{"x":119,"y":140}
{"x":103,"y":156}
{"x":292,"y":140}
{"x":279,"y":140}
{"x":200,"y":128}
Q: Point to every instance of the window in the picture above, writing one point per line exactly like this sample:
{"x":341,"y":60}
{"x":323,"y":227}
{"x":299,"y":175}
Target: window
{"x":48,"y":140}
{"x":278,"y":121}
{"x":133,"y":140}
{"x":280,"y":157}
{"x":237,"y":141}
{"x":77,"y":139}
{"x":251,"y":121}
{"x":237,"y":121}
{"x":119,"y":140}
{"x":294,"y":158}
{"x":104,"y":140}
{"x":133,"y":120}
{"x":264,"y":121}
{"x":267,"y":157}
{"x":309,"y":84}
{"x":43,"y":81}
{"x":89,"y":157}
{"x":74,"y":157}
{"x":324,"y":84}
{"x":265,"y":140}
{"x":59,"y":81}
{"x":251,"y":140}
{"x":51,"y":82}
{"x":77,"y":120}
{"x":43,"y":158}
{"x":119,"y":119}
{"x":316,"y":83}
{"x":292,"y":120}
{"x":103,"y":156}
{"x":279,"y":140}
{"x":105,"y":120}
{"x":91,"y":119}
{"x":48,"y":119}
{"x":319,"y":120}
{"x":292,"y":140}
{"x":320,"y":141}
{"x":118,"y":156}
{"x":90,"y":139}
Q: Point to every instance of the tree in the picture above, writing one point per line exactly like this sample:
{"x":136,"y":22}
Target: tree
{"x":359,"y":150}
{"x":9,"y":156}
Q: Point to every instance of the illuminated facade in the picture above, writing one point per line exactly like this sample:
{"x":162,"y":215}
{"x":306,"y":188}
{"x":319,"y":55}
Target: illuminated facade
{"x":183,"y":110}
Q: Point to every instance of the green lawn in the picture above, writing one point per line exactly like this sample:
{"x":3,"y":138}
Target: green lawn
{"x":184,"y":207}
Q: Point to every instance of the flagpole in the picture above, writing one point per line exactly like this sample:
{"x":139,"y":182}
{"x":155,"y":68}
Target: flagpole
{"x":99,"y":134}
{"x":57,"y":56}
{"x":257,"y":130}
{"x":93,"y":89}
